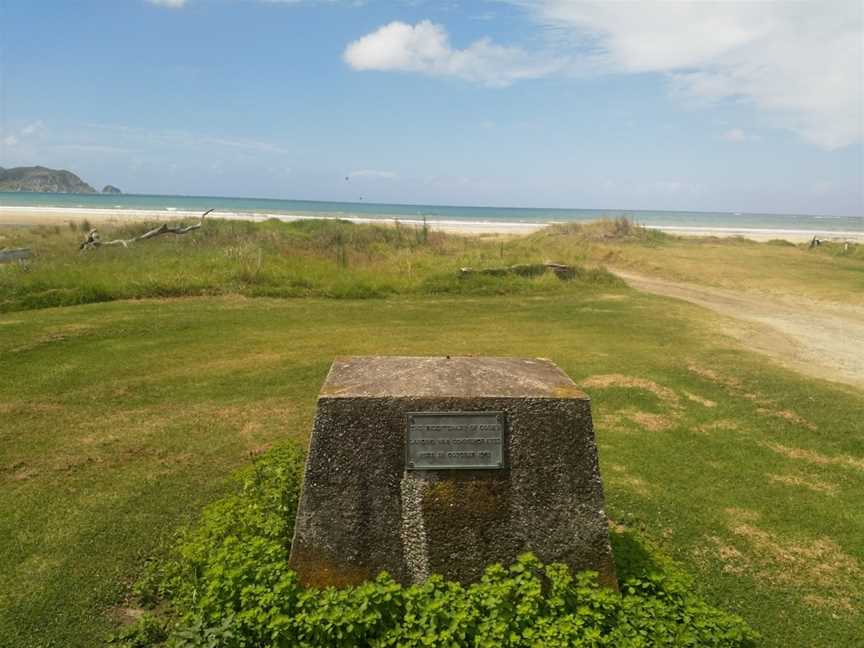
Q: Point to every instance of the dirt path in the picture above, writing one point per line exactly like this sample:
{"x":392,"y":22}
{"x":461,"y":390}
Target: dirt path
{"x":820,"y":339}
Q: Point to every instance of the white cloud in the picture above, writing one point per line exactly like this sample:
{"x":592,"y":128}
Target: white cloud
{"x":374,"y":174}
{"x":34,"y":128}
{"x":31,"y":131}
{"x":735,"y":135}
{"x":171,"y":4}
{"x":425,"y":47}
{"x":107,"y":145}
{"x":671,"y":188}
{"x":183,"y":139}
{"x":179,"y":4}
{"x":739,"y":135}
{"x":800,"y":63}
{"x":97,"y":149}
{"x":822,"y":187}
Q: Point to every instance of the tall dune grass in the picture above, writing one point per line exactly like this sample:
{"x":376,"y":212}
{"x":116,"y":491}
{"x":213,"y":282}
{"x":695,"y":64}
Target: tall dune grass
{"x":320,"y":258}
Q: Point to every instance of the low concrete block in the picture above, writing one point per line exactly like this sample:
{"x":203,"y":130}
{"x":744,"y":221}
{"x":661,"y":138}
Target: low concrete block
{"x":445,"y":465}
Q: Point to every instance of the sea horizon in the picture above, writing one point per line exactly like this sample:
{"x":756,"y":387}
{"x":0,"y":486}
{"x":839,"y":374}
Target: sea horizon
{"x":660,"y":219}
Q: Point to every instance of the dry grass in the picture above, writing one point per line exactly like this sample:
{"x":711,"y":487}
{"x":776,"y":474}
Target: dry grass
{"x":719,"y":425}
{"x":650,"y":422}
{"x":604,"y":381}
{"x":810,"y":564}
{"x":811,"y":456}
{"x":618,"y":475}
{"x":765,"y":406}
{"x":696,"y":398}
{"x":815,"y":485}
{"x":817,"y":569}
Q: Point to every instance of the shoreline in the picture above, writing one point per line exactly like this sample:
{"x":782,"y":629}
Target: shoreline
{"x":33,"y":216}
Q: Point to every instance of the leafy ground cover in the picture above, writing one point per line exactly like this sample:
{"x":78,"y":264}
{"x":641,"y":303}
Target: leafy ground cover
{"x":227,"y":583}
{"x":121,"y":420}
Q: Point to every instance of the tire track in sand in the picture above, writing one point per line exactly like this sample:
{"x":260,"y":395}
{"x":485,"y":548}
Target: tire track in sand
{"x":821,"y":339}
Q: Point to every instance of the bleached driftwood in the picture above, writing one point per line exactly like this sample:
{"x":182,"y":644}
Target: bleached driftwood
{"x":561,"y":271}
{"x":15,"y":254}
{"x":93,"y":240}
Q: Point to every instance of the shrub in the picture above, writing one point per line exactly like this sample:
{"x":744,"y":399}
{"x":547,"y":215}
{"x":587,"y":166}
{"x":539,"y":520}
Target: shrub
{"x":146,"y":631}
{"x":230,"y":586}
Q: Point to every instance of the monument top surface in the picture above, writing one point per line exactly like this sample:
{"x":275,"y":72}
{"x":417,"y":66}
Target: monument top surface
{"x":443,"y":377}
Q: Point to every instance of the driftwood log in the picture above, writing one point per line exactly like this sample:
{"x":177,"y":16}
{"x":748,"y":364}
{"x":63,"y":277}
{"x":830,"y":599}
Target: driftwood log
{"x":15,"y":254}
{"x":93,"y":240}
{"x":561,"y":271}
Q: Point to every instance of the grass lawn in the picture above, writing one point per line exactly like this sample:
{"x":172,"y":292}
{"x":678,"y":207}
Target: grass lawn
{"x":121,"y":420}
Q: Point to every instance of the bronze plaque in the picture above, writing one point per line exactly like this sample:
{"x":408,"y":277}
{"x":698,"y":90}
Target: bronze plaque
{"x":454,"y":440}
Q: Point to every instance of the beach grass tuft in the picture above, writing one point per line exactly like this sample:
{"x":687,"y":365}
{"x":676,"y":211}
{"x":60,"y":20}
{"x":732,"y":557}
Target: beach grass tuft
{"x":312,"y":258}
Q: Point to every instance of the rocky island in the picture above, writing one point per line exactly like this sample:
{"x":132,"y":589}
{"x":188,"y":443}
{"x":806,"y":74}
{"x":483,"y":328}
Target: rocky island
{"x":44,"y":180}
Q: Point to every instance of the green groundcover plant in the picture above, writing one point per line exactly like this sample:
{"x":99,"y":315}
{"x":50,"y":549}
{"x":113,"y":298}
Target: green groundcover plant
{"x":227,"y":584}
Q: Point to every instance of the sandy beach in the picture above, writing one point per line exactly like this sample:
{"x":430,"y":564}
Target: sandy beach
{"x":31,"y":216}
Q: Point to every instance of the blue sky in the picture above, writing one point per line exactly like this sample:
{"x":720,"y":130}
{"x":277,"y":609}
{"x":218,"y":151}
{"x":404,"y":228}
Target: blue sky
{"x":548,"y":103}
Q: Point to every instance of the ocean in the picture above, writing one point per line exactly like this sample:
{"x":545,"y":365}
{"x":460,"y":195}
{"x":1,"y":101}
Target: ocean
{"x":658,"y":219}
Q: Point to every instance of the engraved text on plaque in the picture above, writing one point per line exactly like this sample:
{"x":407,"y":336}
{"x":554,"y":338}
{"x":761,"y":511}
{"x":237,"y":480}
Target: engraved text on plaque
{"x":467,"y":440}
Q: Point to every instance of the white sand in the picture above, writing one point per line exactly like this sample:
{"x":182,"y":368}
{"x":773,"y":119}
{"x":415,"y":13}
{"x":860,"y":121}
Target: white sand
{"x":28,"y":216}
{"x":765,"y":234}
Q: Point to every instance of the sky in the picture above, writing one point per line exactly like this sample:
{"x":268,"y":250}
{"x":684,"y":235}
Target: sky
{"x":712,"y":106}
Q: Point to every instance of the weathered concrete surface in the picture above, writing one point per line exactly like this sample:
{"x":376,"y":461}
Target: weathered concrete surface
{"x":361,"y":512}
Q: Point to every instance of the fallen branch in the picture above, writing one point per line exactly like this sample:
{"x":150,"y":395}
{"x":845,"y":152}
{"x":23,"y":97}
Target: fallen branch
{"x":15,"y":254}
{"x":561,"y":271}
{"x":93,"y":240}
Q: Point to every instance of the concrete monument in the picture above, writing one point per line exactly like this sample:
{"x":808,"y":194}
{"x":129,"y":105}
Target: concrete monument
{"x":445,"y":465}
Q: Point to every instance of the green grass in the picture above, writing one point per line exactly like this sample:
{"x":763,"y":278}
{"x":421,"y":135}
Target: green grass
{"x":123,"y":419}
{"x":119,"y":421}
{"x":334,"y":259}
{"x":338,"y":259}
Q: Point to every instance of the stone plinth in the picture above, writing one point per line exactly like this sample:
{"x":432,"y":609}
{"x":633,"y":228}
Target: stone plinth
{"x":369,"y":503}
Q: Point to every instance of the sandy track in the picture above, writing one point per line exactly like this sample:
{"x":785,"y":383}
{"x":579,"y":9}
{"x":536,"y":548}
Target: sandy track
{"x":821,"y":339}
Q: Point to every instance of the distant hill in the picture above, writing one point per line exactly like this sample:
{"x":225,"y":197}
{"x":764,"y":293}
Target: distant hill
{"x":111,"y":189}
{"x":42,"y":179}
